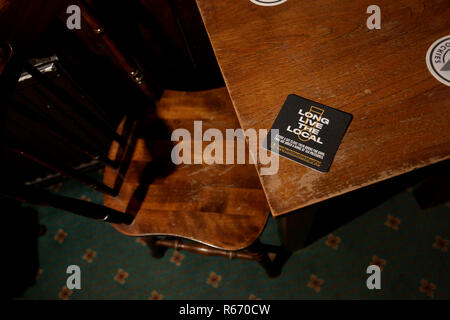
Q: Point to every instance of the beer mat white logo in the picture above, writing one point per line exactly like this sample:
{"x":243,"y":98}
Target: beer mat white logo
{"x":268,"y":2}
{"x":307,"y":132}
{"x":438,"y":60}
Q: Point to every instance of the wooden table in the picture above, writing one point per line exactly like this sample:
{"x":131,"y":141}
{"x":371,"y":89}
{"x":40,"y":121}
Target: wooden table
{"x":322,"y":50}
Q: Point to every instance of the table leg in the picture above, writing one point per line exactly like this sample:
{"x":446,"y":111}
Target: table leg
{"x":293,"y":230}
{"x":433,"y":191}
{"x":156,"y":251}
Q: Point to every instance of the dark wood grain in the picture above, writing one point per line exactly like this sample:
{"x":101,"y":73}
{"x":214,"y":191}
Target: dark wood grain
{"x":219,"y":205}
{"x":323,"y":51}
{"x":125,"y":63}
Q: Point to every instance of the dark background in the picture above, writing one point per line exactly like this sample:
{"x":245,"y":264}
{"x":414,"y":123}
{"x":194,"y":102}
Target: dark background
{"x":165,"y":38}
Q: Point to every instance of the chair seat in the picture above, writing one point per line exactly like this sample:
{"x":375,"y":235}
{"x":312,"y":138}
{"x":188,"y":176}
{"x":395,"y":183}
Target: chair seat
{"x":221,"y":205}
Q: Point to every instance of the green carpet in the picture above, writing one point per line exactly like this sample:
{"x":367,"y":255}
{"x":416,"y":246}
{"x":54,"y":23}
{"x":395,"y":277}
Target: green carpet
{"x":410,"y":244}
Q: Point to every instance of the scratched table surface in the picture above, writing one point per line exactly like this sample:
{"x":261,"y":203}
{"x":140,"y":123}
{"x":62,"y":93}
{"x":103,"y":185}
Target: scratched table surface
{"x":323,"y":50}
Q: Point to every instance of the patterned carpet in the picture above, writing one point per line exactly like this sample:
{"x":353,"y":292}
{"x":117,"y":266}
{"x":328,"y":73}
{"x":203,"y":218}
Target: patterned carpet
{"x":411,"y":246}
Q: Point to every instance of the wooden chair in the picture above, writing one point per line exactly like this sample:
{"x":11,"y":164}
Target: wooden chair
{"x":223,"y":207}
{"x":220,"y":209}
{"x":11,"y":65}
{"x":216,"y":210}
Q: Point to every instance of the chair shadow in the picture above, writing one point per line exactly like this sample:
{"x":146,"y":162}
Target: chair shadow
{"x":157,"y":137}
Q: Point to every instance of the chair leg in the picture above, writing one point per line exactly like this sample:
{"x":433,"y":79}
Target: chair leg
{"x":157,"y":251}
{"x":278,"y":263}
{"x":267,"y":264}
{"x":263,"y":259}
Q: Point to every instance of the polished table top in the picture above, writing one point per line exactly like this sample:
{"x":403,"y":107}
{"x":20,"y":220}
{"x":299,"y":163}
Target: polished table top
{"x":322,"y":50}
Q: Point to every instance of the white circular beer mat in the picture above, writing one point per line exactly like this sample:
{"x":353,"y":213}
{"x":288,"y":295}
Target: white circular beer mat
{"x":268,"y":2}
{"x":438,"y":60}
